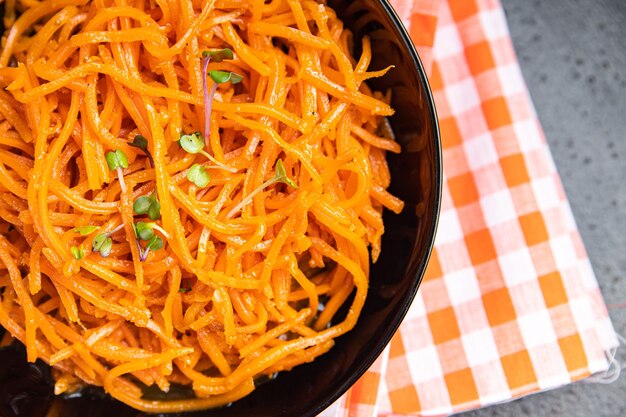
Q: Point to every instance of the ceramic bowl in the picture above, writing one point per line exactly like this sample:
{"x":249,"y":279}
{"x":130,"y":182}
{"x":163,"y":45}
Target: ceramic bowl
{"x":305,"y":391}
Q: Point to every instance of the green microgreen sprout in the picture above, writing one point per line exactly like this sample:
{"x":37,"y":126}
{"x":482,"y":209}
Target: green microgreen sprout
{"x":185,"y":286}
{"x":77,"y":252}
{"x":221,"y":77}
{"x":116,"y":160}
{"x":84,"y":230}
{"x":103,"y":243}
{"x":154,"y":243}
{"x":142,"y":143}
{"x":194,"y":144}
{"x":145,"y":230}
{"x":280,"y":175}
{"x":148,"y":204}
{"x":198,"y":175}
{"x":218,"y":78}
{"x":217,"y":56}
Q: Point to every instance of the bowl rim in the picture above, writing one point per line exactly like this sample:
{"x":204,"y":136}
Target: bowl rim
{"x":432,"y":229}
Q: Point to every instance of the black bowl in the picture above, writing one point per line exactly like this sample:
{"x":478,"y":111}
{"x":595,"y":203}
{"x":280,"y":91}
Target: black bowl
{"x":395,"y":278}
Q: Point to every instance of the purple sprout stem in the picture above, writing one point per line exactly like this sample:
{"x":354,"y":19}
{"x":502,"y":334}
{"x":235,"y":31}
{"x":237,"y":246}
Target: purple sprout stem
{"x":150,"y":159}
{"x":142,"y":256}
{"x":208,"y":106}
{"x":208,"y":97}
{"x":217,"y":163}
{"x":117,"y":229}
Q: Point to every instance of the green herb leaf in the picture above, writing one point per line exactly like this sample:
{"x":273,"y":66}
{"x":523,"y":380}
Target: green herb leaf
{"x":77,"y":252}
{"x":140,"y":142}
{"x":116,"y":159}
{"x":98,"y":241}
{"x":183,"y":289}
{"x":235,"y":78}
{"x":192,"y":143}
{"x":198,"y":175}
{"x":218,"y":55}
{"x":155,"y":243}
{"x":102,"y":243}
{"x":105,"y":248}
{"x":225,"y":76}
{"x":142,"y":204}
{"x":281,"y":175}
{"x":84,"y":230}
{"x":148,"y":204}
{"x":144,"y":230}
{"x":154,"y":212}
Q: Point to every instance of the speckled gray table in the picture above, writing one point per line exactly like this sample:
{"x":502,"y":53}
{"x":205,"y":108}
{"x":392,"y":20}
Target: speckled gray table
{"x":573,"y":56}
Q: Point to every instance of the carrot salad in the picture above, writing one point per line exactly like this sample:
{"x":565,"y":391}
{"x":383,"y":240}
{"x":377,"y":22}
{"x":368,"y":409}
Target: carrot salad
{"x":190,"y":190}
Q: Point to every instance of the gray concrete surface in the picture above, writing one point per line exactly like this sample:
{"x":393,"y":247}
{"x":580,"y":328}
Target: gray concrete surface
{"x":573,"y":56}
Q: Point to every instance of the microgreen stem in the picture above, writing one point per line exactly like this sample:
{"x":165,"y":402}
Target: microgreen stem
{"x":208,"y":97}
{"x":141,"y":142}
{"x":142,"y":256}
{"x":194,"y":143}
{"x":280,"y":175}
{"x":218,"y":163}
{"x":248,"y":199}
{"x":120,"y":177}
{"x":116,"y":229}
{"x":218,"y":56}
{"x":160,"y":229}
{"x":154,"y":243}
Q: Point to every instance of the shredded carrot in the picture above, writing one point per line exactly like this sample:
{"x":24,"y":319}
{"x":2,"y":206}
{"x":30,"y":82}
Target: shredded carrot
{"x":255,"y":261}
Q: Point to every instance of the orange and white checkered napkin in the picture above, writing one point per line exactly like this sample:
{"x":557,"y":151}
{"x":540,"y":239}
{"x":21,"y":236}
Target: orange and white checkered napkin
{"x":509,"y":304}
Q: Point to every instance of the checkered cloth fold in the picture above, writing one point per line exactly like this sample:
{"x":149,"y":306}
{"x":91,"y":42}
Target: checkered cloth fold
{"x":509,"y":304}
